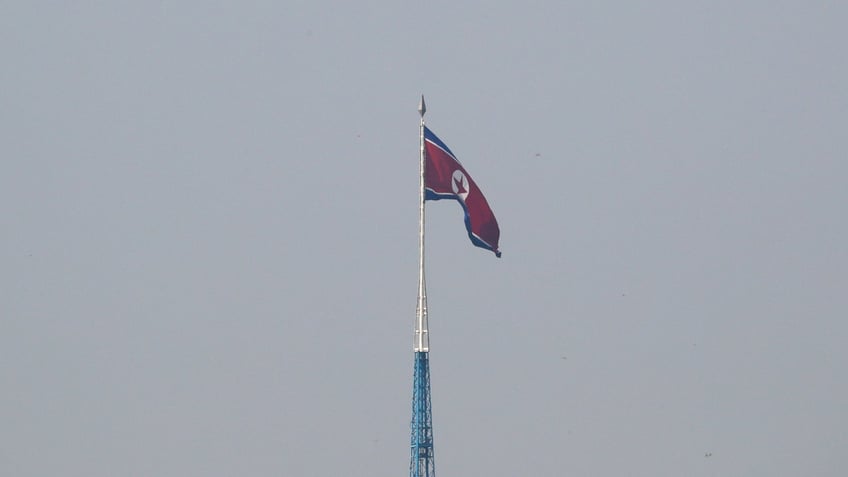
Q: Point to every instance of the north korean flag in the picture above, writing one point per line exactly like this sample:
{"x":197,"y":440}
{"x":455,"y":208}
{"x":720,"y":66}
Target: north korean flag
{"x":445,"y":178}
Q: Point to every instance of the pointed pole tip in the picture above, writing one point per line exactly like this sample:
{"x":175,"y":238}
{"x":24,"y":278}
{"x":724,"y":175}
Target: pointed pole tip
{"x":422,"y":108}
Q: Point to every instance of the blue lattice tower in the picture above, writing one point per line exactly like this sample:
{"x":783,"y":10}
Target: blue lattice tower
{"x":421,"y":462}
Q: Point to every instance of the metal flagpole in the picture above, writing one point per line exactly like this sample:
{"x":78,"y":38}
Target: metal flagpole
{"x":422,"y":340}
{"x":421,"y":443}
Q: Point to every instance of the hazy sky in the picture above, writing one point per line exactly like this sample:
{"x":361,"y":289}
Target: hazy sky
{"x":208,"y":237}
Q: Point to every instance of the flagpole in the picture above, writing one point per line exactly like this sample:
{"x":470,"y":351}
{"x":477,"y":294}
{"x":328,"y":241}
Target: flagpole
{"x":422,"y":339}
{"x":421,"y":462}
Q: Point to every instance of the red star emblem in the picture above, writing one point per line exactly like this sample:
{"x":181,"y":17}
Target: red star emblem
{"x":460,"y":189}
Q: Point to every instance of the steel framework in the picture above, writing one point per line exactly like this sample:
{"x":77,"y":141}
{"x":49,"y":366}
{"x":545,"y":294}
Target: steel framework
{"x":421,"y":463}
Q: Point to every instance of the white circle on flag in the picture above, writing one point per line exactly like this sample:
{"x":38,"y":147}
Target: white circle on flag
{"x":459,"y":184}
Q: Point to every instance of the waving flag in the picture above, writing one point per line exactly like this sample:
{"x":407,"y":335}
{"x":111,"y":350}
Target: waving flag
{"x":445,"y":178}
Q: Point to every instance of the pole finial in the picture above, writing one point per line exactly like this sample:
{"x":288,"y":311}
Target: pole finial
{"x":422,"y":108}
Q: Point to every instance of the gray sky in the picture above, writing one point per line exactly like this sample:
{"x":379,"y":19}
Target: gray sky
{"x":208,"y":238}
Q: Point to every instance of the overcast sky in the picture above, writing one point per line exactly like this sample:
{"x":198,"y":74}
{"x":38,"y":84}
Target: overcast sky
{"x":208,"y":237}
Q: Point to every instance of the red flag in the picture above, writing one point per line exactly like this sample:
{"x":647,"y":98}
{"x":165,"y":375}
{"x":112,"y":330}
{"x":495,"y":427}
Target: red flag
{"x":445,"y":178}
